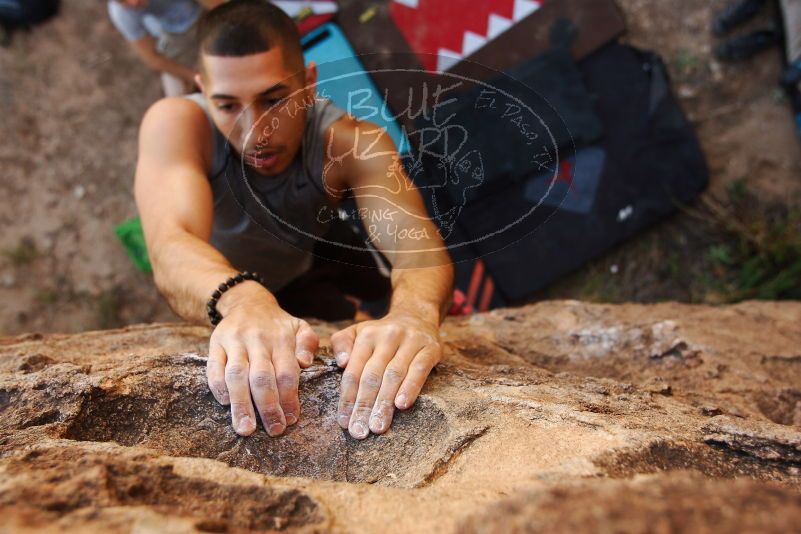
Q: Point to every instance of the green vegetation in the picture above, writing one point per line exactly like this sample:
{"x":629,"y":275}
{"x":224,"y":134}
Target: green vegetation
{"x":685,"y":61}
{"x":758,"y":255}
{"x":46,"y":296}
{"x":23,"y":254}
{"x":720,"y":250}
{"x":107,"y":309}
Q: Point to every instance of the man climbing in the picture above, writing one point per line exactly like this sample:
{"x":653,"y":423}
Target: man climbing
{"x":244,"y":177}
{"x":162,"y":33}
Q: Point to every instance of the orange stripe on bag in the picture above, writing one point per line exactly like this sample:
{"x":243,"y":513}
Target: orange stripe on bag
{"x":486,"y":296}
{"x":475,"y":282}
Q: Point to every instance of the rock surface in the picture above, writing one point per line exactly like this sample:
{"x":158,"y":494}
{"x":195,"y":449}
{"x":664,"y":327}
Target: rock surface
{"x":562,"y":416}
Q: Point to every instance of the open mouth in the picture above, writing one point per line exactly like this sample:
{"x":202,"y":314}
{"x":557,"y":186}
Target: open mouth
{"x":261,"y":160}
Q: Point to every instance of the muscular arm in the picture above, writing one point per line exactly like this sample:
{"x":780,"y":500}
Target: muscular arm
{"x":175,"y":203}
{"x":254,"y":351}
{"x":397,"y":221}
{"x":388,"y":361}
{"x":422,"y":272}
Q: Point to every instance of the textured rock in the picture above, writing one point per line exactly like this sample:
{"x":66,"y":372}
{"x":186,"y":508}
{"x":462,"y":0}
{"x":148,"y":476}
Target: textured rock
{"x":560,"y":416}
{"x":664,"y":504}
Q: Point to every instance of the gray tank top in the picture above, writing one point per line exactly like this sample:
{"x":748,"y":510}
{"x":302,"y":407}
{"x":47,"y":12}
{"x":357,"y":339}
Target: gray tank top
{"x":270,"y":224}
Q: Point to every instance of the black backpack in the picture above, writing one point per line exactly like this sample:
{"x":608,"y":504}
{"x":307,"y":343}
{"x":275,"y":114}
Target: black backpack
{"x":646,"y":163}
{"x":23,"y":14}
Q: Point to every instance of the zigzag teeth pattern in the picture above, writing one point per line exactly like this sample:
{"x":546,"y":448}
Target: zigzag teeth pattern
{"x":447,"y":59}
{"x":524,"y":8}
{"x":497,"y":25}
{"x":472,"y":41}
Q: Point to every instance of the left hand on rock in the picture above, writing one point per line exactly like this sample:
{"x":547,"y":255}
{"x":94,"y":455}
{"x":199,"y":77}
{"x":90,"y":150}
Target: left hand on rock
{"x":386,"y":363}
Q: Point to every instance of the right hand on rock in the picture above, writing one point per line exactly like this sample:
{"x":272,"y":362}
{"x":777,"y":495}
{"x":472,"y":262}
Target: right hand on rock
{"x":255,"y":353}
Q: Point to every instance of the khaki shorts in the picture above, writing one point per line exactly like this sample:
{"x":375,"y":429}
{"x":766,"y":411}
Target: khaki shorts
{"x":182,"y":48}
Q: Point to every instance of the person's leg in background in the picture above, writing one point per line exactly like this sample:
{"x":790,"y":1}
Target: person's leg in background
{"x":182,"y":48}
{"x":791,"y":14}
{"x":173,"y":85}
{"x":735,"y":14}
{"x":746,"y":45}
{"x":791,"y":79}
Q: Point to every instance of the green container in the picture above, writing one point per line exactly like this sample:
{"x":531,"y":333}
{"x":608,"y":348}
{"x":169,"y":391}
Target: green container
{"x":133,"y":239}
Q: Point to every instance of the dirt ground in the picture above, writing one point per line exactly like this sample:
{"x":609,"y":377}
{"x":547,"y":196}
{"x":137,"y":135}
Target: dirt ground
{"x":746,"y":129}
{"x":72,"y":95}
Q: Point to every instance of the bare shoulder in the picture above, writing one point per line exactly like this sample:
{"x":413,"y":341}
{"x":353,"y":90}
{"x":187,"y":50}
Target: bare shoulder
{"x":359,"y":137}
{"x":176,"y":128}
{"x":171,"y":186}
{"x":358,"y":148}
{"x":181,"y":110}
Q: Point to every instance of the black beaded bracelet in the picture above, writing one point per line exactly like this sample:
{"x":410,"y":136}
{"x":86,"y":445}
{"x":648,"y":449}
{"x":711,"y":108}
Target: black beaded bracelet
{"x":211,"y":305}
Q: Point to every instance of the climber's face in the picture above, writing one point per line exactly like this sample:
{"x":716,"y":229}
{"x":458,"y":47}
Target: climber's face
{"x":259,"y":103}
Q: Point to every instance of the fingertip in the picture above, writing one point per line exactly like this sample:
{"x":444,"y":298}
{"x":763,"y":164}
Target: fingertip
{"x":343,"y":420}
{"x":291,"y":412}
{"x":402,"y":401}
{"x":220,"y":395}
{"x":381,"y":416}
{"x":342,"y":358}
{"x":358,"y":430}
{"x":276,"y":429}
{"x":377,"y":424}
{"x":246,"y":426}
{"x":342,"y":341}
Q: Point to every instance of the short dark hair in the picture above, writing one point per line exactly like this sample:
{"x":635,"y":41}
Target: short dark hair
{"x":244,"y":27}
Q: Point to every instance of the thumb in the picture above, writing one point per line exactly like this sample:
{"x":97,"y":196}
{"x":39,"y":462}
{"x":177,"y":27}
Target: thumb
{"x":342,"y":344}
{"x":306,"y":344}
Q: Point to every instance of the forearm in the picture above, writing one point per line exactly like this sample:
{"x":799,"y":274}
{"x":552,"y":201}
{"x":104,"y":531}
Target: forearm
{"x":425,"y":292}
{"x":147,"y":51}
{"x":187,"y":270}
{"x":162,"y":63}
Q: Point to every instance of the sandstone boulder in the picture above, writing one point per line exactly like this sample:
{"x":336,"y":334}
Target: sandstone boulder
{"x":562,"y":416}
